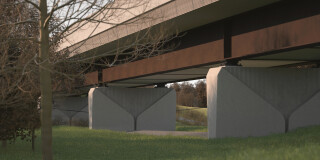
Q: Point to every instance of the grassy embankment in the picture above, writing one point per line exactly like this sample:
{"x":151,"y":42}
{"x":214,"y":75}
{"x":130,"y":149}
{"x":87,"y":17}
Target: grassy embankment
{"x":74,"y":143}
{"x":192,"y":128}
{"x":194,"y":116}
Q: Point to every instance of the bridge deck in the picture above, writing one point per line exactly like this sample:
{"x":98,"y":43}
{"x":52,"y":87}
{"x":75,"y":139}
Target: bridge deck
{"x":274,"y":35}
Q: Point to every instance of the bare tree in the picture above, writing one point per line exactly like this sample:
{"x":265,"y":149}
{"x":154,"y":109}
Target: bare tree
{"x":201,"y":93}
{"x":59,"y":21}
{"x":18,"y":89}
{"x":191,"y":95}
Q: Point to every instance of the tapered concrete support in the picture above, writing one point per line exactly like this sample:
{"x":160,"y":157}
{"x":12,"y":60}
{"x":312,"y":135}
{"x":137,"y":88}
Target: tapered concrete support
{"x":70,"y":109}
{"x":246,"y":102}
{"x":307,"y":115}
{"x":129,"y":109}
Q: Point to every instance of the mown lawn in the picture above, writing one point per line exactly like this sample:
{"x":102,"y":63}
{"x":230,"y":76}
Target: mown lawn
{"x":73,"y":143}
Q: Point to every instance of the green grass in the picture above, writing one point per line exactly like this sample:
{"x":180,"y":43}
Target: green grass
{"x":72,"y":143}
{"x":191,"y":115}
{"x":202,"y":111}
{"x":192,"y":128}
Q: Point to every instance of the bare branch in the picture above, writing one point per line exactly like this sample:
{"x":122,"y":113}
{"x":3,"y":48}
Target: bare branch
{"x":33,"y":4}
{"x":33,"y":39}
{"x":17,"y":23}
{"x":46,"y":22}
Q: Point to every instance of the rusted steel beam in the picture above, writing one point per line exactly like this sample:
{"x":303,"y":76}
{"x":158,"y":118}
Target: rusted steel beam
{"x":292,"y":34}
{"x":91,"y":78}
{"x":280,"y":26}
{"x":193,"y":56}
{"x":296,"y":33}
{"x":266,"y":30}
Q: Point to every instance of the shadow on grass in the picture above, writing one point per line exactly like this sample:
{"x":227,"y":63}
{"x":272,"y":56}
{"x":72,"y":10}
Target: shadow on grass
{"x":81,"y":143}
{"x":192,"y":128}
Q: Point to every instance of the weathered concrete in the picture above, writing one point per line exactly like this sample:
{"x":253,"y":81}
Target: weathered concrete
{"x":131,"y":109}
{"x":59,"y":118}
{"x":236,"y":111}
{"x":161,"y":115}
{"x":259,"y":101}
{"x":307,"y":115}
{"x":105,"y":113}
{"x":81,"y":118}
{"x":67,"y":109}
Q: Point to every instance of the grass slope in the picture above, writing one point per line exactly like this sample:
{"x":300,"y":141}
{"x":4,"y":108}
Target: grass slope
{"x":191,"y":115}
{"x":191,"y":128}
{"x":72,"y":143}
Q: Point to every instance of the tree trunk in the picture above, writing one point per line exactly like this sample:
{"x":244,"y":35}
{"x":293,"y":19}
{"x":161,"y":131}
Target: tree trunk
{"x":45,"y":85}
{"x":4,"y":144}
{"x":15,"y":137}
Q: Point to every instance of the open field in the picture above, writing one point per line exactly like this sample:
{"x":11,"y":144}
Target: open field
{"x":73,"y":143}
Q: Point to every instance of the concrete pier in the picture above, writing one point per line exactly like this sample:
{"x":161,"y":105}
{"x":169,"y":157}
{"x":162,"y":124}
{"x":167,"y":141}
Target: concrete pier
{"x":246,"y":102}
{"x":70,"y":111}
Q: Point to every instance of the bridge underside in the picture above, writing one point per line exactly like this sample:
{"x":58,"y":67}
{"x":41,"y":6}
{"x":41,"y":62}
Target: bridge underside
{"x":242,"y":101}
{"x":294,"y":58}
{"x":273,"y":36}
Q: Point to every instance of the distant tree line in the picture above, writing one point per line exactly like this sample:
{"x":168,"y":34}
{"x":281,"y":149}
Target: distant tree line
{"x":193,"y":95}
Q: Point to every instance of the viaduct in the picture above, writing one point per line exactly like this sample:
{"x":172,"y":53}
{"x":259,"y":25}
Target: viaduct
{"x":260,"y":59}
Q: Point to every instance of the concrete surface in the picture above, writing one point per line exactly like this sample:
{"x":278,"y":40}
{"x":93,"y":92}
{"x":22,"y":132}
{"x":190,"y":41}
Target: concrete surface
{"x":66,"y":109}
{"x":307,"y":115}
{"x":104,"y":113}
{"x":246,"y":102}
{"x":161,"y":115}
{"x":128,"y":109}
{"x":82,"y":115}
